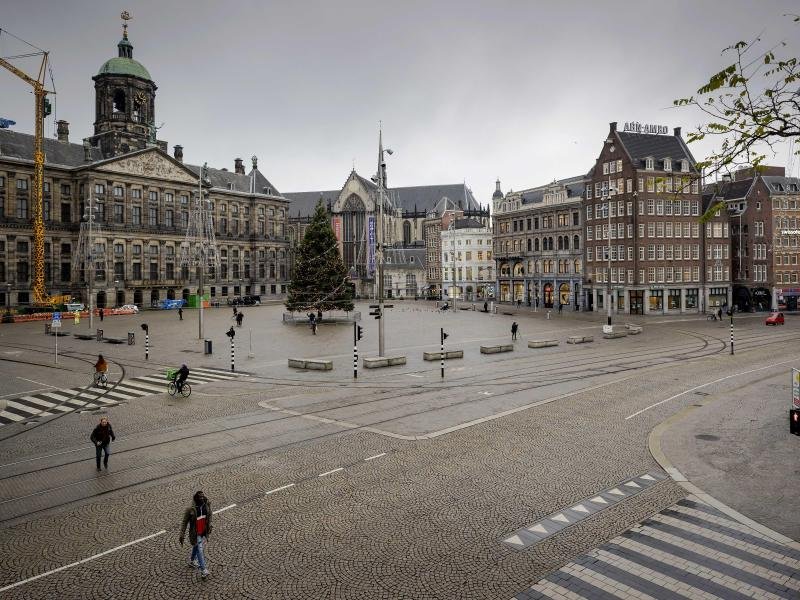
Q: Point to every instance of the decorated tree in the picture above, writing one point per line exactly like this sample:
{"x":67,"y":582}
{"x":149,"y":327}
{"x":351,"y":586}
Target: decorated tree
{"x":319,"y":281}
{"x":750,"y":105}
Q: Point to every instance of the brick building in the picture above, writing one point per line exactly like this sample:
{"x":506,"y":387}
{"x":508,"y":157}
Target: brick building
{"x":644,"y":239}
{"x":764,"y":211}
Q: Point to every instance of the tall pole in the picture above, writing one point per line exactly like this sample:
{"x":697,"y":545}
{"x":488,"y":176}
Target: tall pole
{"x":202,"y":207}
{"x":355,"y":351}
{"x":441,"y":339}
{"x":452,"y":229}
{"x":731,"y":309}
{"x":381,"y":185}
{"x":91,"y":262}
{"x":608,"y":274}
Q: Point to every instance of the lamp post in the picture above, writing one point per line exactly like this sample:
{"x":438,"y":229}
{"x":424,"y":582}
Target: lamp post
{"x":8,"y":297}
{"x":451,"y":227}
{"x":608,"y":274}
{"x":90,"y":216}
{"x":381,"y":181}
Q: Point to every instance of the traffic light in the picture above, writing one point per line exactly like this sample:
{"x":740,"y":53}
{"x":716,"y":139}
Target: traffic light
{"x":231,"y":333}
{"x":145,"y":328}
{"x":359,"y":332}
{"x":377,"y":312}
{"x":794,"y":421}
{"x":445,"y":336}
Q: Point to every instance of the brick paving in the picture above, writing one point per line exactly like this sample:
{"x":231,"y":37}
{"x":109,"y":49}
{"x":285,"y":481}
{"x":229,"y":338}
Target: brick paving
{"x":425,"y":520}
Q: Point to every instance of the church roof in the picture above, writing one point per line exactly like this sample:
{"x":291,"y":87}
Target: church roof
{"x":303,"y":204}
{"x":14,"y":144}
{"x":124,"y":66}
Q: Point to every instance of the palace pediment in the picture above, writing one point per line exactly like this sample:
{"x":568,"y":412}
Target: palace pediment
{"x":152,"y":164}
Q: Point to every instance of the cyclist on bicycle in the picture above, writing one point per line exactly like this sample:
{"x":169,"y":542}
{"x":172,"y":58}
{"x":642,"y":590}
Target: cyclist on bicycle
{"x":181,"y":376}
{"x":100,"y":368}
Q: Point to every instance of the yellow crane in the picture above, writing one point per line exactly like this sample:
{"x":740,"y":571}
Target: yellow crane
{"x":40,"y":296}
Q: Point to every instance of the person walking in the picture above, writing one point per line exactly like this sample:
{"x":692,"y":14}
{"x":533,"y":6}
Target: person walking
{"x":719,"y":314}
{"x":514,"y":329}
{"x":239,"y":319}
{"x":485,"y":306}
{"x":234,"y":311}
{"x":314,"y":327}
{"x":101,"y":437}
{"x":180,"y":313}
{"x":560,"y":307}
{"x":102,"y":314}
{"x":198,"y":519}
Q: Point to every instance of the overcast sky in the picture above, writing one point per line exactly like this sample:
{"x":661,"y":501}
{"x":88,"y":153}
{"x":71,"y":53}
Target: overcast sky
{"x":466,"y":90}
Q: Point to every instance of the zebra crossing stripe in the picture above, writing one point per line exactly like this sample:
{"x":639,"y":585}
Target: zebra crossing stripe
{"x":53,"y":402}
{"x":677,"y":554}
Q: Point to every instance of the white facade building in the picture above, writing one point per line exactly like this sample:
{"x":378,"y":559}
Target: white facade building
{"x":467,"y":261}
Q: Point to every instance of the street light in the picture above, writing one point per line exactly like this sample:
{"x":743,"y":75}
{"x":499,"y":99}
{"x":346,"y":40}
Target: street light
{"x":8,"y":297}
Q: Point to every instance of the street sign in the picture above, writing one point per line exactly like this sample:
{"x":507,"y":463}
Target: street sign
{"x":56,"y":316}
{"x":56,"y":324}
{"x":795,"y":389}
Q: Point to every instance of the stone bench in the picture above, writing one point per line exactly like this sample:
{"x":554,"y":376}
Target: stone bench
{"x":497,"y":349}
{"x":447,"y":354}
{"x":111,"y":340}
{"x":542,"y":343}
{"x":580,"y":339}
{"x":633,"y":329}
{"x":311,"y":364}
{"x":620,"y":333}
{"x":83,"y":336}
{"x":377,"y":362}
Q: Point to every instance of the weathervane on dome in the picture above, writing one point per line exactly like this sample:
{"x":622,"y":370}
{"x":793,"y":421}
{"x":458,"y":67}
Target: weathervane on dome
{"x":125,"y":16}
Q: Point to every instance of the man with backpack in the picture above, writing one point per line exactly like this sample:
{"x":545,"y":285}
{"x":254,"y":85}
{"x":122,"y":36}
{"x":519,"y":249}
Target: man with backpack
{"x":198,"y":518}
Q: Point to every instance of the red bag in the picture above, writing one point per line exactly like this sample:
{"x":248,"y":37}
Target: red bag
{"x":200,"y":525}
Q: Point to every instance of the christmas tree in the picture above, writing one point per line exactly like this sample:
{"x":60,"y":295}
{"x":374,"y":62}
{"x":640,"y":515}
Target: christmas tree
{"x":319,"y":281}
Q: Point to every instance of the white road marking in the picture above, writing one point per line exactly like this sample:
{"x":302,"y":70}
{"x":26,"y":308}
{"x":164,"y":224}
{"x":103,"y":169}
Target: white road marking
{"x":330,"y":472}
{"x":38,"y":382}
{"x":376,"y":456}
{"x":80,"y":562}
{"x":226,"y":508}
{"x":283,"y":487}
{"x":25,"y":392}
{"x":414,"y":375}
{"x":638,"y":412}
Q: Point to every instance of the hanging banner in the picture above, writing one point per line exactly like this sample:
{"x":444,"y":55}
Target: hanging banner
{"x":370,"y":246}
{"x":337,"y":231}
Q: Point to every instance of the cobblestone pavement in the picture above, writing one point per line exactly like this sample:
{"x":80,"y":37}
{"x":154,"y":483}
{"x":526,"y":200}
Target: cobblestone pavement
{"x":690,"y":550}
{"x":323,"y":510}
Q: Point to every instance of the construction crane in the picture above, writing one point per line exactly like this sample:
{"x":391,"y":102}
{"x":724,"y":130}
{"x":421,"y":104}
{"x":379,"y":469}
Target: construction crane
{"x":40,"y":296}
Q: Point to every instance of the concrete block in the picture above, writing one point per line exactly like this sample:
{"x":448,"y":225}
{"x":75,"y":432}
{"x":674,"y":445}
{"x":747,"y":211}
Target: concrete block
{"x":497,"y":349}
{"x":580,"y":339}
{"x":297,"y":363}
{"x":633,"y":329}
{"x":620,"y":333}
{"x":319,"y":365}
{"x":542,"y":343}
{"x":447,"y":355}
{"x":396,"y":360}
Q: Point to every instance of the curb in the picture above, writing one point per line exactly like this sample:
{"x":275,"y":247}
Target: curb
{"x":654,"y":445}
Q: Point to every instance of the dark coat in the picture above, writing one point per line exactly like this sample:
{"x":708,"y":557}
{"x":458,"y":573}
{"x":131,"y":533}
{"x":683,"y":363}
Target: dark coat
{"x":101,"y":434}
{"x":190,"y":519}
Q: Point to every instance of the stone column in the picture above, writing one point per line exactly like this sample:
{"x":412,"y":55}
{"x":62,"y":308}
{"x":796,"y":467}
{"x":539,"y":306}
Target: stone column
{"x":683,"y":300}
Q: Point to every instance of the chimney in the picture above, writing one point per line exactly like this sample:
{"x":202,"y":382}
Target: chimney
{"x":87,"y":150}
{"x":62,"y":131}
{"x":178,"y":154}
{"x":677,"y":131}
{"x":613,"y":126}
{"x":238,"y":166}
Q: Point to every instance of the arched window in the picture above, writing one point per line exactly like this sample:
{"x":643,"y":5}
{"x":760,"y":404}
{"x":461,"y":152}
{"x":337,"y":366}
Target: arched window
{"x":406,"y":233}
{"x":519,"y":269}
{"x":529,"y":244}
{"x":119,"y":101}
{"x":577,"y":265}
{"x":566,"y":242}
{"x":576,"y":243}
{"x":536,"y":245}
{"x":560,"y":243}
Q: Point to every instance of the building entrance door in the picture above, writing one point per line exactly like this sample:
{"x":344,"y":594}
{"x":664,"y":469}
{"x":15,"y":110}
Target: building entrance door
{"x":637,"y":302}
{"x":548,"y":295}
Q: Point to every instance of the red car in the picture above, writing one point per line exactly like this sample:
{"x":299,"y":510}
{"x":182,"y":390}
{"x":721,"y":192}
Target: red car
{"x":775,"y":318}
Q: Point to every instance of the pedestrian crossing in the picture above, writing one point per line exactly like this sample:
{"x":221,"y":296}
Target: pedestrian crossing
{"x":55,"y":402}
{"x":689,"y":550}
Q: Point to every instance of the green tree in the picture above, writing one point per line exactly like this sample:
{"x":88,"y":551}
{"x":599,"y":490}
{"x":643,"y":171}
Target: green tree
{"x":319,"y":281}
{"x":750,"y":105}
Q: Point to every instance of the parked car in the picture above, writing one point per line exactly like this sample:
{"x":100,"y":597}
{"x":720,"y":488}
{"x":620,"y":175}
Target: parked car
{"x":775,"y":318}
{"x":73,"y":306}
{"x":132,"y":307}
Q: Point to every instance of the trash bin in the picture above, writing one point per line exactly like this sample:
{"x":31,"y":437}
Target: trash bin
{"x":47,"y":328}
{"x":207,"y":346}
{"x":99,"y":335}
{"x":131,"y":338}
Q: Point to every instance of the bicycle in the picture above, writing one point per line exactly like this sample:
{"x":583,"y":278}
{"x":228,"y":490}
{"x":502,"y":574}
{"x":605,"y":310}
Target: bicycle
{"x":711,"y":317}
{"x":100,"y":378}
{"x":172,"y":389}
